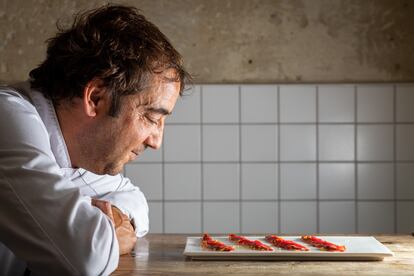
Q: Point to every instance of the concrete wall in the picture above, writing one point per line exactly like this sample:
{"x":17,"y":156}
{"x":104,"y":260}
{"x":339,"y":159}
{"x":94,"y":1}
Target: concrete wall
{"x":244,"y":41}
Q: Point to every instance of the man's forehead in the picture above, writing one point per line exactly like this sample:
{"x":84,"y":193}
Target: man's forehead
{"x":161,"y":100}
{"x":149,"y":98}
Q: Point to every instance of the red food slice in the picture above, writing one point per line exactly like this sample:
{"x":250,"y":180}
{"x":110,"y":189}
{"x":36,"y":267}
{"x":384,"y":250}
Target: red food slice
{"x":253,"y":244}
{"x":322,"y":244}
{"x":208,"y":242}
{"x":285,"y":244}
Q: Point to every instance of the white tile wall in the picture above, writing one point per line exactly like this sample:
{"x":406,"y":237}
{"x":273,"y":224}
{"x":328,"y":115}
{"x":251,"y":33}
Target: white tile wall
{"x":297,"y":143}
{"x":376,"y":217}
{"x":298,"y":217}
{"x":259,"y":181}
{"x":222,"y":217}
{"x":150,"y":155}
{"x":375,"y":181}
{"x":337,"y":181}
{"x":336,"y":103}
{"x":259,"y":104}
{"x":337,"y":215}
{"x":405,"y":142}
{"x":259,"y":217}
{"x":182,"y":143}
{"x":294,"y":185}
{"x":187,"y":108}
{"x":155,"y":217}
{"x":259,"y":143}
{"x":297,"y":103}
{"x":405,"y":181}
{"x":284,"y":158}
{"x":375,"y":103}
{"x":375,"y":143}
{"x":220,"y":104}
{"x":182,"y":181}
{"x":405,"y":103}
{"x":182,"y":217}
{"x":221,"y":143}
{"x":405,"y":217}
{"x":336,"y":143}
{"x":221,"y":181}
{"x":148,"y":177}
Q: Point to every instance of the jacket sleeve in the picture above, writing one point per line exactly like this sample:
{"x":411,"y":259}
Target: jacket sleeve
{"x":120,"y":192}
{"x":44,"y":219}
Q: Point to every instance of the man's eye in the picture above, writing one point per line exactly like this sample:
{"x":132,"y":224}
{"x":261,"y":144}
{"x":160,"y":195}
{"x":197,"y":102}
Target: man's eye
{"x":152,"y":121}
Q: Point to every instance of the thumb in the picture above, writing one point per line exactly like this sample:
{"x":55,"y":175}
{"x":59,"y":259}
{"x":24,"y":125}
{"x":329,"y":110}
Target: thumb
{"x":105,"y":207}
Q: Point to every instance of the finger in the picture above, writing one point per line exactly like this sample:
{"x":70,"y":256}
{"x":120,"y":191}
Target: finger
{"x":101,"y":204}
{"x":98,"y":203}
{"x":94,"y":201}
{"x":108,"y":211}
{"x":118,"y":216}
{"x":105,"y":207}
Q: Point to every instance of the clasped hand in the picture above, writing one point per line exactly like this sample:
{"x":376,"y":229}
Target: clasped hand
{"x":124,"y":230}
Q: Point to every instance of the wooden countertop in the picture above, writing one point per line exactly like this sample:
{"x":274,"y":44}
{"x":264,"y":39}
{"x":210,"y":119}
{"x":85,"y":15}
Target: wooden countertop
{"x":158,"y":254}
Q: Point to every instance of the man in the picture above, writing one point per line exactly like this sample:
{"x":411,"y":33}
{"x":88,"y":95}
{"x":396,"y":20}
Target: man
{"x":97,"y":101}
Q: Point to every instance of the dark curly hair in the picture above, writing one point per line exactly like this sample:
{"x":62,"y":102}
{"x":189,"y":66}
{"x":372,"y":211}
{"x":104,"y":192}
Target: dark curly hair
{"x":113,"y":43}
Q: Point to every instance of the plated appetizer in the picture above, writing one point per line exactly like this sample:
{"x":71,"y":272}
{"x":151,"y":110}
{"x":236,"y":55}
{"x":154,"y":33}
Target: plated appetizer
{"x":285,"y":244}
{"x":252,"y":244}
{"x":209,"y":243}
{"x":322,"y":244}
{"x":212,"y":244}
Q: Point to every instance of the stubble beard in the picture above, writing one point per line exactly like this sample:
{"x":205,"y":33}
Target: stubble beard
{"x":112,"y":168}
{"x":102,"y":163}
{"x":99,"y":151}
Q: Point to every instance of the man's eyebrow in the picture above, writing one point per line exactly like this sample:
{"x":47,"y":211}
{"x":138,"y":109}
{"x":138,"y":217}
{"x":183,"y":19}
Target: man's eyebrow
{"x":160,"y":110}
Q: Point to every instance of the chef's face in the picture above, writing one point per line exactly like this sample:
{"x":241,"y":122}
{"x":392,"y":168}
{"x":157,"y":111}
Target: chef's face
{"x":140,"y":124}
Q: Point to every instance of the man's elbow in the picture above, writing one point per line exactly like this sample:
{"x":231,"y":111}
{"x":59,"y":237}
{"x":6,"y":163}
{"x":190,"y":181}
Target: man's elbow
{"x":79,"y":260}
{"x":99,"y":263}
{"x":101,"y":256}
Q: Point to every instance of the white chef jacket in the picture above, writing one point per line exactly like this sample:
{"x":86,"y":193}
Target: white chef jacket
{"x":46,"y":216}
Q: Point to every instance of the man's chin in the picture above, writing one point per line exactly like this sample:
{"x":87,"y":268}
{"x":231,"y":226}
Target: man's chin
{"x":114,"y":170}
{"x":110,"y":169}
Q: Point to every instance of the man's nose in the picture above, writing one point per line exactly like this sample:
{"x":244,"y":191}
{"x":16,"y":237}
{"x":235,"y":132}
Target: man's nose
{"x":154,"y":140}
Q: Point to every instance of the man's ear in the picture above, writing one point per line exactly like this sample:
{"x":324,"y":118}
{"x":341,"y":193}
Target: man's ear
{"x":95,"y":98}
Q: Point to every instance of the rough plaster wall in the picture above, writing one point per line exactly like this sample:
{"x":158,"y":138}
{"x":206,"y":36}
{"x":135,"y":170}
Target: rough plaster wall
{"x":244,"y":41}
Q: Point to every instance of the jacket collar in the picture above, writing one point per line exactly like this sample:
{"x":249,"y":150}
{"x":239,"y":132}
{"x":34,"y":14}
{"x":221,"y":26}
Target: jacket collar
{"x":48,"y":115}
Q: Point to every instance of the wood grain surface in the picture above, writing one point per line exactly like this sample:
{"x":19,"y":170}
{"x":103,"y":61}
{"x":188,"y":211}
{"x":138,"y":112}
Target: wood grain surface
{"x":158,"y":254}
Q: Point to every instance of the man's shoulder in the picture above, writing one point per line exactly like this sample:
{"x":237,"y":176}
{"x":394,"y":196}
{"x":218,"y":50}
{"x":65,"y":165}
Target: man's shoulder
{"x":19,"y":91}
{"x":17,"y":108}
{"x":21,"y":125}
{"x":16,"y":97}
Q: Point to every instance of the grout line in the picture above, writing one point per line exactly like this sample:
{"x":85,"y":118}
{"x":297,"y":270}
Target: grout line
{"x":284,"y":200}
{"x":240,"y":162}
{"x":201,"y":161}
{"x":276,"y":162}
{"x":318,"y":219}
{"x":356,"y":156}
{"x":279,"y":211}
{"x":395,"y":158}
{"x":319,"y":82}
{"x":289,"y":123}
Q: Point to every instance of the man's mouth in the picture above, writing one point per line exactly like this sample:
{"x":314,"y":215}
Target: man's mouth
{"x":138,"y":152}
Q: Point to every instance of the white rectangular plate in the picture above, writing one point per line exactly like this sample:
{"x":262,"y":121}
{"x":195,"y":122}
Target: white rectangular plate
{"x":357,"y":248}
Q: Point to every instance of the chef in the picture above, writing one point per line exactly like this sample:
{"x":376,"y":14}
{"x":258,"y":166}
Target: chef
{"x":98,"y":101}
